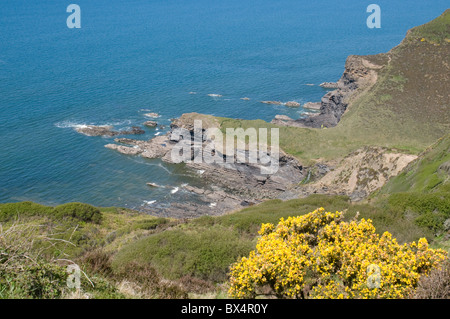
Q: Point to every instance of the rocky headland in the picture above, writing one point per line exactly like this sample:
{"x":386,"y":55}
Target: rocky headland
{"x":359,"y":74}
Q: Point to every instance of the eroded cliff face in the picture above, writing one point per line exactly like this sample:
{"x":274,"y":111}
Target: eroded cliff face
{"x":358,"y":174}
{"x":359,"y":75}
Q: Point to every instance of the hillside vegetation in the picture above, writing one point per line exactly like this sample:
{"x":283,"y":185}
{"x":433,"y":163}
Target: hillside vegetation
{"x":430,"y":173}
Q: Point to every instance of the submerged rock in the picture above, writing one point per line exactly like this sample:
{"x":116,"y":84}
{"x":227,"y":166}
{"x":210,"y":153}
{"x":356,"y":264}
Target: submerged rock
{"x":154,"y":115}
{"x":107,"y":130}
{"x":283,"y":118}
{"x":150,"y":123}
{"x":93,"y":130}
{"x":127,"y":141}
{"x":292,"y":104}
{"x":135,"y":130}
{"x":127,"y":150}
{"x":312,"y":105}
{"x":272,"y":102}
{"x":329,"y":85}
{"x":153,"y":185}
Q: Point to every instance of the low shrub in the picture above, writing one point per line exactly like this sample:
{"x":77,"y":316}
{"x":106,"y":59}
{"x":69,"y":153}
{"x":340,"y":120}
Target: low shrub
{"x":76,"y":211}
{"x":150,"y":282}
{"x":432,"y":209}
{"x":97,"y":261}
{"x":436,"y":285}
{"x":40,"y":280}
{"x":318,"y":255}
{"x":420,"y":202}
{"x":79,"y":211}
{"x":24,"y":272}
{"x":11,"y":211}
{"x":149,"y":224}
{"x":204,"y":253}
{"x":196,"y":285}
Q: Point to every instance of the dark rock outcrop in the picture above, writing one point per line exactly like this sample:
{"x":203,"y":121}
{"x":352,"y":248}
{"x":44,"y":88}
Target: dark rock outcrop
{"x":135,"y":130}
{"x":359,"y":73}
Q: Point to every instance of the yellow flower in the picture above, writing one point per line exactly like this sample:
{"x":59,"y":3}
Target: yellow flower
{"x":333,"y":256}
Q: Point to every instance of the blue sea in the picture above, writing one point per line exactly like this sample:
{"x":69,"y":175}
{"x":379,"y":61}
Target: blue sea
{"x":134,"y":57}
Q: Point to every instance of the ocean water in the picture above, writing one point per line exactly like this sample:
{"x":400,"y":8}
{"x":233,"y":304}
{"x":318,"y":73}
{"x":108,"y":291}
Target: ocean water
{"x":132,"y":57}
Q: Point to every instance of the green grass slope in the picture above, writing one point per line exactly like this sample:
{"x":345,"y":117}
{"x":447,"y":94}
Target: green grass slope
{"x":429,"y":173}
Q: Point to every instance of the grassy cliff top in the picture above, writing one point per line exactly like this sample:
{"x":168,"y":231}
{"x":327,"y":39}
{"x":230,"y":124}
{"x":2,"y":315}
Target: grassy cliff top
{"x":436,"y":31}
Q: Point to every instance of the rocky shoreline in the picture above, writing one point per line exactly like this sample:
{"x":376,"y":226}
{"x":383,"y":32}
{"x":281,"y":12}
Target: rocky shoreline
{"x":359,"y":73}
{"x":231,"y":184}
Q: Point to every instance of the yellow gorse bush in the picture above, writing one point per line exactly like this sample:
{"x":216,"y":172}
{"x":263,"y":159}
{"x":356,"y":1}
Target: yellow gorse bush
{"x":318,"y":255}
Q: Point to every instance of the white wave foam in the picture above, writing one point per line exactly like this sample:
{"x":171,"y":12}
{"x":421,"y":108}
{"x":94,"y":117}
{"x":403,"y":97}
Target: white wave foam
{"x":68,"y":124}
{"x":160,"y":165}
{"x":72,"y":124}
{"x":119,"y":123}
{"x":176,"y":189}
{"x":152,"y":115}
{"x":149,"y":202}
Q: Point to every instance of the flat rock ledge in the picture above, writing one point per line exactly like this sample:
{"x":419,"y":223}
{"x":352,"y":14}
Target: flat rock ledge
{"x":107,"y":130}
{"x":292,"y":104}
